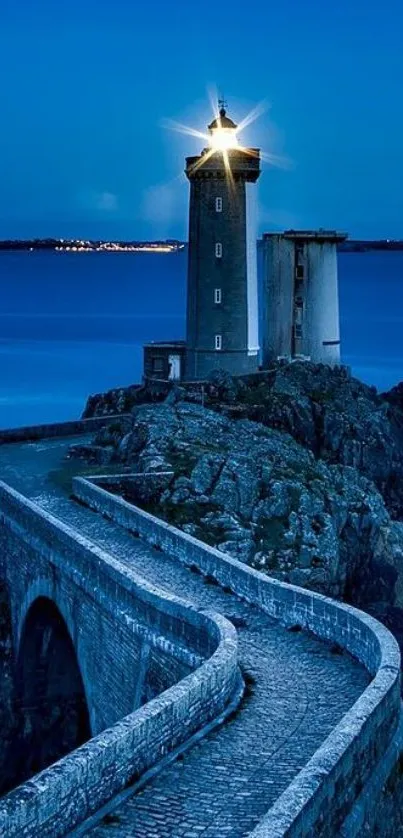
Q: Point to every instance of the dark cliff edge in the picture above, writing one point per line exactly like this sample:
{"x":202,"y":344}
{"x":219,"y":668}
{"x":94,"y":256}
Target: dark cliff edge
{"x":297,"y":471}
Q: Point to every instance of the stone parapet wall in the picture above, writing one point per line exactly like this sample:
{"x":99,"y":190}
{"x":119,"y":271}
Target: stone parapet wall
{"x":60,"y":797}
{"x":375,"y":815}
{"x":323,"y":793}
{"x":94,"y":570}
{"x":76,"y":427}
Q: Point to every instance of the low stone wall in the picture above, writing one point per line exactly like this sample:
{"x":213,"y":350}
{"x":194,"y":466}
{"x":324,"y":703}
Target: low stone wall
{"x":58,"y":429}
{"x":57,"y":799}
{"x":375,"y":814}
{"x":322,"y":794}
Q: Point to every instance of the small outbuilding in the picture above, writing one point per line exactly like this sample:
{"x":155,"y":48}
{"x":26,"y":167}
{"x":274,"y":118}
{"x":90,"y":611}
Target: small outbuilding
{"x":164,"y":361}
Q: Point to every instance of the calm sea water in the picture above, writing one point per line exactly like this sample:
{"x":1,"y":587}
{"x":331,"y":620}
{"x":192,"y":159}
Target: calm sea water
{"x":74,"y":324}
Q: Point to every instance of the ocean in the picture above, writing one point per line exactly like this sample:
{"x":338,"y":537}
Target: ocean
{"x":73,"y":324}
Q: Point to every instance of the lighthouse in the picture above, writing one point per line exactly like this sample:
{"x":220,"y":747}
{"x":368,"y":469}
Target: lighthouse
{"x":222,"y":297}
{"x":299,"y":306}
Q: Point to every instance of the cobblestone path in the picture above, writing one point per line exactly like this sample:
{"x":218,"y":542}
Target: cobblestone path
{"x":298,"y":689}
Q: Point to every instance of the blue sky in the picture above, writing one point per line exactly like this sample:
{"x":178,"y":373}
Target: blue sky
{"x":86,"y":85}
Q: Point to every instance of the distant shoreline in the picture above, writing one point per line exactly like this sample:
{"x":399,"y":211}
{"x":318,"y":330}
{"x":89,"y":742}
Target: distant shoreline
{"x":361,"y":246}
{"x":167,"y":246}
{"x":93,"y":245}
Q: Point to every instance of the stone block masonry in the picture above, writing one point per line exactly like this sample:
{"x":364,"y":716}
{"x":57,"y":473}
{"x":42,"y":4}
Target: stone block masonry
{"x":42,"y":556}
{"x":324,"y":792}
{"x":221,"y":260}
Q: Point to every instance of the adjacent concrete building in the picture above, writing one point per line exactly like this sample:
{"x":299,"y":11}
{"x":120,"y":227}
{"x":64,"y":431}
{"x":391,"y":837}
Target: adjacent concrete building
{"x":300,"y":296}
{"x":222,"y":308}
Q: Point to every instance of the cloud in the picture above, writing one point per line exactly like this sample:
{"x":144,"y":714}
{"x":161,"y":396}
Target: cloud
{"x":106,"y":201}
{"x":158,"y":203}
{"x":100,"y":201}
{"x":163,"y":206}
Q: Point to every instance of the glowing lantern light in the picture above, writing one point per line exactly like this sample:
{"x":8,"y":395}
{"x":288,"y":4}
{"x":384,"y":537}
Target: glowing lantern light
{"x":222,"y":131}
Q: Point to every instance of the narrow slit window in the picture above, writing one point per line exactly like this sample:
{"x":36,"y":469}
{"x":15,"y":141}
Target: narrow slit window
{"x":299,"y":310}
{"x":218,"y":342}
{"x":218,"y":250}
{"x":217,"y":296}
{"x":218,"y":204}
{"x":158,"y":365}
{"x":298,"y":315}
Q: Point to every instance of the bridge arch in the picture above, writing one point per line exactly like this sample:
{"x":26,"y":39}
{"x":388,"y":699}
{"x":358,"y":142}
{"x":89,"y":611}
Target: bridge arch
{"x":52,"y":709}
{"x":45,"y":586}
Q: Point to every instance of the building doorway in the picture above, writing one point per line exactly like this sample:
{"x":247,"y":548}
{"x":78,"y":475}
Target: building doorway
{"x":174,"y":367}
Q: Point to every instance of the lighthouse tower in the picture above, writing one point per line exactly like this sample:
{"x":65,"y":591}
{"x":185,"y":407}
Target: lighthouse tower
{"x":222,"y":307}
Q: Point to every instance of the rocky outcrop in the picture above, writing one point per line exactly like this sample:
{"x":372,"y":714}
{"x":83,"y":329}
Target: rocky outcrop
{"x":395,"y":396}
{"x":340,"y":419}
{"x":257,"y":494}
{"x":297,"y":471}
{"x":118,"y":400}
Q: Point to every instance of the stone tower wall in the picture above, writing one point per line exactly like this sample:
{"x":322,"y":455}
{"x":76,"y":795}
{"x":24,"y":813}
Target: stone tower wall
{"x":232,"y":317}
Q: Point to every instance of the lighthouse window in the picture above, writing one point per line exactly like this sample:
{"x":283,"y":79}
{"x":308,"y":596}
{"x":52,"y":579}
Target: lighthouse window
{"x":298,"y":315}
{"x":218,"y":250}
{"x":218,"y":204}
{"x":298,"y":330}
{"x":299,"y":272}
{"x":217,"y":295}
{"x":218,"y":342}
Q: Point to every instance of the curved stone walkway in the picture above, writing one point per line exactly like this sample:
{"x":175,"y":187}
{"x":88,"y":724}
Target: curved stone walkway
{"x":298,"y":689}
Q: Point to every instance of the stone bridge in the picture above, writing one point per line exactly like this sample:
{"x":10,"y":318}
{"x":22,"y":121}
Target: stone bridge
{"x":120,"y":643}
{"x":146,"y":635}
